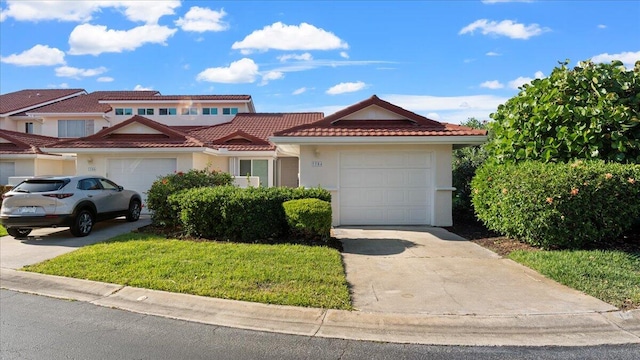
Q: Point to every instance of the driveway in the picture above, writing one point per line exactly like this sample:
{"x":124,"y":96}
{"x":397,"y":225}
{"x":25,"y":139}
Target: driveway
{"x":426,"y":270}
{"x":43,"y":244}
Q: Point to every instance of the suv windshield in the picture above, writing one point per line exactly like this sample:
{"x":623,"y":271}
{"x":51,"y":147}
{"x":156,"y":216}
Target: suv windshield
{"x":34,"y":186}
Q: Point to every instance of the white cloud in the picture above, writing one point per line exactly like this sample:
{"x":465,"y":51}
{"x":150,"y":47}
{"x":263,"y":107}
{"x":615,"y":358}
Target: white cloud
{"x":142,"y":88}
{"x":299,"y":91}
{"x":602,"y":26}
{"x":39,"y":55}
{"x":346,"y":87}
{"x":244,"y":70}
{"x":493,"y":53}
{"x":271,"y":75}
{"x":82,"y":11}
{"x":199,"y":19}
{"x":453,"y":109}
{"x":59,"y":86}
{"x":506,"y":28}
{"x":104,"y":79}
{"x":493,"y":84}
{"x":344,"y":54}
{"x":97,"y":39}
{"x":280,"y":36}
{"x":313,"y":64}
{"x":521,"y":80}
{"x":628,"y":58}
{"x":77,"y":73}
{"x":301,"y":57}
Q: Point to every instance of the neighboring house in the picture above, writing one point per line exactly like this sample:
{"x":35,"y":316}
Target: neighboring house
{"x":384,"y":165}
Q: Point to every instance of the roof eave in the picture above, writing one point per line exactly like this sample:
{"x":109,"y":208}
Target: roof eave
{"x":37,"y":114}
{"x":378,"y":140}
{"x":252,"y":153}
{"x":176,"y":101}
{"x":97,"y":150}
{"x":39,"y":105}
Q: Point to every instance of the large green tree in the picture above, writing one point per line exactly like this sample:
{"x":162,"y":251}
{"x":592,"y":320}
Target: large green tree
{"x":591,"y":111}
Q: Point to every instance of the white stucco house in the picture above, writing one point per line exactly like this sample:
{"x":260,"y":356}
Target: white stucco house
{"x":384,"y":165}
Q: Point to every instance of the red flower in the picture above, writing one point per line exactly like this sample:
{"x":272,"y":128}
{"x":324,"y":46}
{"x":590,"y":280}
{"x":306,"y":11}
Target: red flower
{"x":574,"y":191}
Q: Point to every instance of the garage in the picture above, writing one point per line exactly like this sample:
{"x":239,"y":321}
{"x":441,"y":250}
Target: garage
{"x":385,"y":188}
{"x":138,"y":174}
{"x":7,"y":169}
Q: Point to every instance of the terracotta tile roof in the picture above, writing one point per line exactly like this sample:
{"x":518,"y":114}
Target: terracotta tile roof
{"x":412,"y":124}
{"x":256,"y":127}
{"x":158,"y":97}
{"x":26,"y":99}
{"x":21,"y":143}
{"x":89,"y":103}
{"x":167,"y":137}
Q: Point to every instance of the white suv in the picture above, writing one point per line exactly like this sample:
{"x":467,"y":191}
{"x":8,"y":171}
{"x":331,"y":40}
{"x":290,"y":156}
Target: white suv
{"x":74,"y":201}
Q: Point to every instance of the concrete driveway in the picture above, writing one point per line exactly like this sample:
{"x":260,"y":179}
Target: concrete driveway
{"x":47,"y":243}
{"x":426,"y":270}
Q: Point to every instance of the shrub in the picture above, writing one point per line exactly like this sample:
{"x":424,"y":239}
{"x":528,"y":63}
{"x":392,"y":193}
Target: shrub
{"x":464,"y":164}
{"x":235,"y":214}
{"x":162,"y":188}
{"x":575,"y":205}
{"x":308,"y":218}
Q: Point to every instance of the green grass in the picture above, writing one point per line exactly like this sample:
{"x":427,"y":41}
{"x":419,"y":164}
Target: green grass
{"x":274,"y":274}
{"x":3,"y":231}
{"x":611,"y":276}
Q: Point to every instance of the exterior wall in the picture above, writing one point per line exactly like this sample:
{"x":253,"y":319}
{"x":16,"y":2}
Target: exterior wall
{"x":96,"y":164}
{"x":54,"y":167}
{"x":373,"y":113}
{"x":23,"y":167}
{"x":49,"y":125}
{"x":7,"y":123}
{"x":327,"y":175}
{"x":287,"y":172}
{"x":218,"y":163}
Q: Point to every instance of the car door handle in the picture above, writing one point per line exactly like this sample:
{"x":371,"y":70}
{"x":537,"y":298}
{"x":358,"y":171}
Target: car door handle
{"x":89,"y":195}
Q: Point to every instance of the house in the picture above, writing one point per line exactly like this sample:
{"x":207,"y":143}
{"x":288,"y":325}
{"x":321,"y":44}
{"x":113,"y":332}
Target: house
{"x":384,"y":165}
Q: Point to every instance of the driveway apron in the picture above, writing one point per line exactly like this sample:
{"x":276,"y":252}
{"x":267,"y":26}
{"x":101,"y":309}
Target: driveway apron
{"x":427,"y":270}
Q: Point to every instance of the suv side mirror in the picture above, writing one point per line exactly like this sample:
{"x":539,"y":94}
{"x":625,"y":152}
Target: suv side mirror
{"x":120,"y":188}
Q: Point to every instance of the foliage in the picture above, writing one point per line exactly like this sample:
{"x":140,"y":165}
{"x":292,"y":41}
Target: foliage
{"x":281,"y":274}
{"x":235,"y":214}
{"x":465,"y":162}
{"x":308,"y":217}
{"x":558,"y":205}
{"x":162,"y":188}
{"x":3,"y":231}
{"x":589,"y":112}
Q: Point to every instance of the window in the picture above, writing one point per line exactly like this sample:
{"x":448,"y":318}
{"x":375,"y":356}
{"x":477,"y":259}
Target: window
{"x":209,"y":111}
{"x":28,"y":128}
{"x":229,"y":111}
{"x":167,"y":111}
{"x":75,"y":128}
{"x":259,"y":168}
{"x":124,"y":111}
{"x":145,"y":111}
{"x":189,"y":111}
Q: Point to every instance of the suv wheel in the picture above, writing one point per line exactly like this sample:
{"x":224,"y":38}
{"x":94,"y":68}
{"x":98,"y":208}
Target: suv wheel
{"x":82,"y":224}
{"x":18,"y":233}
{"x":134,"y":211}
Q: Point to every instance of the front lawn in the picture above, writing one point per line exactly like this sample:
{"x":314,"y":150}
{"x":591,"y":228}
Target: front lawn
{"x":3,"y":231}
{"x":282,"y":274}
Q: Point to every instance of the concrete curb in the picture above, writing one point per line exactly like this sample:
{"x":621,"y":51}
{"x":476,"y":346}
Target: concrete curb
{"x":618,"y":327}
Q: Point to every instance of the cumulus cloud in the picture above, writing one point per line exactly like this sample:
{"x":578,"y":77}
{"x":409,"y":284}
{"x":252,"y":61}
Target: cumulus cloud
{"x":453,"y":109}
{"x":279,"y":36}
{"x":87,"y":39}
{"x":300,"y":57}
{"x":142,"y":88}
{"x":39,"y":55}
{"x":346,"y":87}
{"x":78,"y":73}
{"x":628,"y":58}
{"x":493,"y":84}
{"x":521,"y":80}
{"x":199,"y":19}
{"x":104,"y":79}
{"x":244,"y":70}
{"x":506,"y":28}
{"x":299,"y":91}
{"x":271,"y":75}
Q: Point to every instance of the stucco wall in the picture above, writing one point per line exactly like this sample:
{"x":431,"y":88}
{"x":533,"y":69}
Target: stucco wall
{"x":96,"y":164}
{"x":320,"y":166}
{"x":54,"y":167}
{"x":218,"y":163}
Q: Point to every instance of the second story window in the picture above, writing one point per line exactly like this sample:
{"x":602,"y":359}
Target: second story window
{"x":28,"y":128}
{"x":145,"y":111}
{"x":75,"y":128}
{"x":124,"y":111}
{"x":209,"y":111}
{"x":229,"y":111}
{"x":189,"y":111}
{"x":167,"y":111}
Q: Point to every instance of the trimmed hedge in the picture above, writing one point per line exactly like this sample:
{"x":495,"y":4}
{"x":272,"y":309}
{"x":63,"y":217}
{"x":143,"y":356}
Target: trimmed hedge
{"x":308,"y":218}
{"x":553,"y":205}
{"x":162,"y":188}
{"x":235,"y":214}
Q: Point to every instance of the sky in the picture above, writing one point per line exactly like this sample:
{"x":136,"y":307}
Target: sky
{"x":447,"y":60}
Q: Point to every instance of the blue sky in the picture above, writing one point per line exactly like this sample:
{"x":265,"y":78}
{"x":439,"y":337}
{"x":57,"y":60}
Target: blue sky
{"x":448,"y":60}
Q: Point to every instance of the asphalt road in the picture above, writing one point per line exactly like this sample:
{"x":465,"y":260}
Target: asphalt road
{"x":37,"y":327}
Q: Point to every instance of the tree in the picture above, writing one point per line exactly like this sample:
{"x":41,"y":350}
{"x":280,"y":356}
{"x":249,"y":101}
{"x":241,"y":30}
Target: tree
{"x":465,"y":162}
{"x":589,"y":112}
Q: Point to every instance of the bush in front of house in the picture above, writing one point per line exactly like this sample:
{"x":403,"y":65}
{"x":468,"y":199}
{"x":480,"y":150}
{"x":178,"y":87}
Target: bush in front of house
{"x":236,"y":214}
{"x":308,"y":218}
{"x":161,"y":189}
{"x":558,"y":205}
{"x":464,"y":163}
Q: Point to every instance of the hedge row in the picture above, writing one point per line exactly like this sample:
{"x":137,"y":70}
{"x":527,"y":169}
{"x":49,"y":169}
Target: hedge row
{"x":235,"y":214}
{"x":308,"y":218}
{"x":553,"y":205}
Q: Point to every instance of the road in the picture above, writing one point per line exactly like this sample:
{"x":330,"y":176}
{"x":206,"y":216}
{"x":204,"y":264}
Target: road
{"x":37,"y":327}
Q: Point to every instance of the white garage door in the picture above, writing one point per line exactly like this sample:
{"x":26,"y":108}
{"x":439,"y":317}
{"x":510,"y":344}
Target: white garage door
{"x":385,"y":188}
{"x":7,"y":169}
{"x":139,"y":174}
